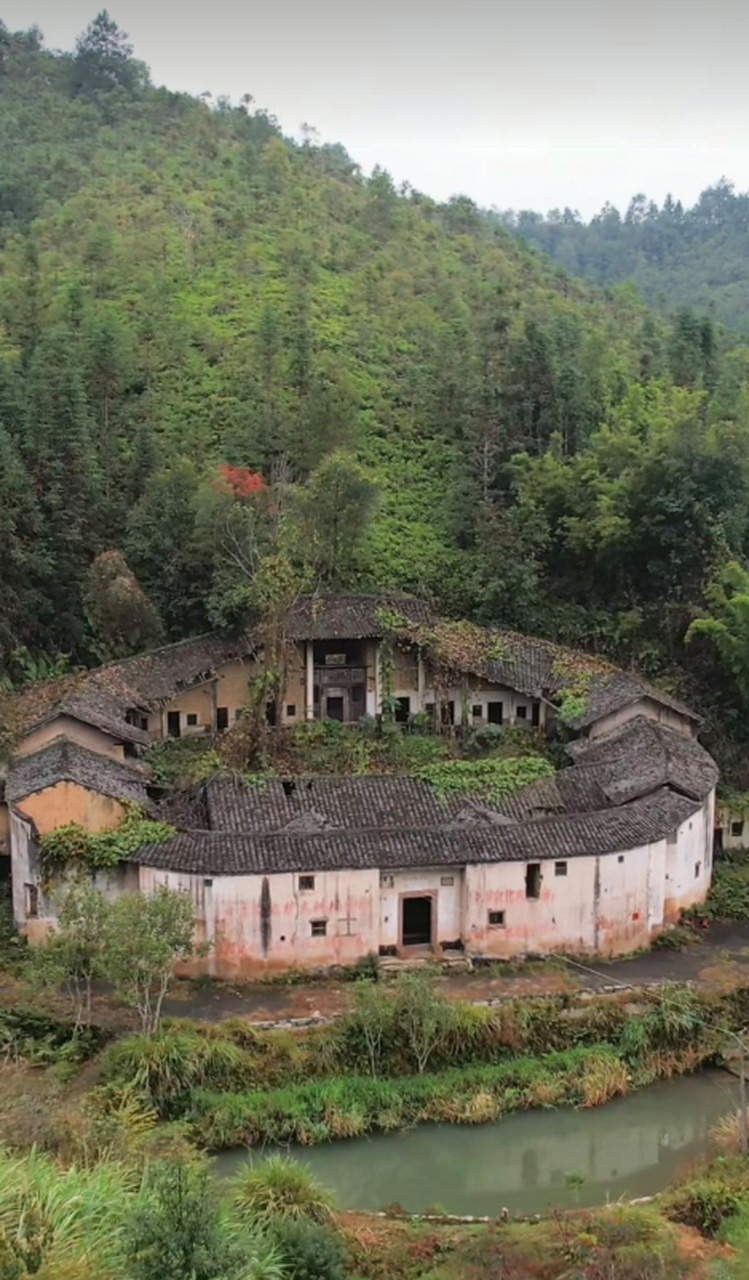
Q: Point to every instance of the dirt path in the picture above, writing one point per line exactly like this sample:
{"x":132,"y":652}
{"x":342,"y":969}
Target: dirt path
{"x":719,"y":960}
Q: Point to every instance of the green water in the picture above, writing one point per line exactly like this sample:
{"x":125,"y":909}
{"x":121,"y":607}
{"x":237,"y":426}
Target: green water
{"x":632,"y":1147}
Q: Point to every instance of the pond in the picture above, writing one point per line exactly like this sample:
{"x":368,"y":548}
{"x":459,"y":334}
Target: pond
{"x":631,"y":1147}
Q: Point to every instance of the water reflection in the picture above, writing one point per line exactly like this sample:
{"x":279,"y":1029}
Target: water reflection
{"x":632,"y":1147}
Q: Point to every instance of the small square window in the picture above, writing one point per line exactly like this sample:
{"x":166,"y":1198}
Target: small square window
{"x":496,"y":919}
{"x":446,"y":881}
{"x":306,"y":882}
{"x":620,"y":858}
{"x":291,"y":710}
{"x":737,"y":828}
{"x":560,"y":868}
{"x":521,"y":713}
{"x":207,"y":884}
{"x":478,"y":711}
{"x":319,"y":928}
{"x":192,"y":717}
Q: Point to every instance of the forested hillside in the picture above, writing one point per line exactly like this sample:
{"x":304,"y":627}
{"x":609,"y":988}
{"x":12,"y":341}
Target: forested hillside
{"x":218,"y":347}
{"x":696,"y":258}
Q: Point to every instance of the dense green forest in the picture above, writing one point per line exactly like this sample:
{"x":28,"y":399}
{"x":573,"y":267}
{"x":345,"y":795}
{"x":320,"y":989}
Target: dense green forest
{"x":228,"y":357}
{"x":696,"y":258}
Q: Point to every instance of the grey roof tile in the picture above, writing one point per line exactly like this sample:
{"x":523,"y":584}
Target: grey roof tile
{"x":65,"y":761}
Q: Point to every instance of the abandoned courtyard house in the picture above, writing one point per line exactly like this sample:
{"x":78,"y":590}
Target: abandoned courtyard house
{"x":317,"y":871}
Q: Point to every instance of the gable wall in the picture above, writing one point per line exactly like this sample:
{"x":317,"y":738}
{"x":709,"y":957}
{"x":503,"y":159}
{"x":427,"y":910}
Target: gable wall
{"x":69,"y":802}
{"x":86,"y":735}
{"x":643,"y":707}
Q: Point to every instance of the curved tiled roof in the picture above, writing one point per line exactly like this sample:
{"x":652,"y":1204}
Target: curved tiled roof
{"x":226,"y":854}
{"x":354,"y":616}
{"x":66,"y":761}
{"x":642,"y":755}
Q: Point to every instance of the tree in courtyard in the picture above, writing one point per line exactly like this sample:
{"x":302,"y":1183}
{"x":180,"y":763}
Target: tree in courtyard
{"x":121,"y":616}
{"x":104,"y":59}
{"x":78,"y":944}
{"x":147,"y":935}
{"x":334,"y":509}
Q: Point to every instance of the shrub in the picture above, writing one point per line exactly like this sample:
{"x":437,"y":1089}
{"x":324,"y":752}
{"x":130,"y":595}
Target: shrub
{"x":281,"y":1188}
{"x":708,"y":1199}
{"x":309,"y":1251}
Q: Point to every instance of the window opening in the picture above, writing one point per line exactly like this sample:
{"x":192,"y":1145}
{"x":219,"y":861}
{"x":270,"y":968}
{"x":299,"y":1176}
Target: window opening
{"x":560,"y":868}
{"x":496,"y":919}
{"x":306,"y":882}
{"x":447,"y":881}
{"x":697,"y":870}
{"x":192,"y":718}
{"x":478,"y":711}
{"x":737,"y":828}
{"x":32,"y":901}
{"x":533,"y":880}
{"x":521,"y":713}
{"x":319,"y":928}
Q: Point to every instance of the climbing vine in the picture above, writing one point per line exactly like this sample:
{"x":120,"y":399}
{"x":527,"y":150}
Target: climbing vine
{"x":494,"y":778}
{"x":73,"y":846}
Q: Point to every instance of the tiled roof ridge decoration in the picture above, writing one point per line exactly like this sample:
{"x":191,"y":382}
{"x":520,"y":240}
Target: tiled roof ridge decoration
{"x":62,"y":760}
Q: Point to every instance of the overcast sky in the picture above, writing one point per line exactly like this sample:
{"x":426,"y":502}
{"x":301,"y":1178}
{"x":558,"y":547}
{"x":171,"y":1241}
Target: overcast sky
{"x":528,"y":104}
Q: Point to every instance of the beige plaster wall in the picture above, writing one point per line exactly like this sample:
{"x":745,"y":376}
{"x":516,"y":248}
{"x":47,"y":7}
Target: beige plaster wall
{"x":66,"y":727}
{"x":69,"y":802}
{"x":643,"y":707}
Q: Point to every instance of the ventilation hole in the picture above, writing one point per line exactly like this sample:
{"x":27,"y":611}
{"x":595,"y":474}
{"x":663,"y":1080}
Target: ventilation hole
{"x":289,"y":786}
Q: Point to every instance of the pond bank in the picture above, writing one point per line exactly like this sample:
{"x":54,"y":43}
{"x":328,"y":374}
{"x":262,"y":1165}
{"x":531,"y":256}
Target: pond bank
{"x":629,"y":1148}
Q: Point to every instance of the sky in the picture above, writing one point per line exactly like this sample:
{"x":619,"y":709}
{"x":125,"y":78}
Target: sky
{"x":526,"y":104}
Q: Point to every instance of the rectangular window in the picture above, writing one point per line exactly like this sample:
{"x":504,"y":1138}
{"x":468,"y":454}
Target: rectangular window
{"x":620,"y":858}
{"x":521,"y":713}
{"x":32,"y":901}
{"x":697,"y":870}
{"x":222,"y":719}
{"x":494,"y":712}
{"x":560,"y":868}
{"x":358,"y":694}
{"x":447,"y":881}
{"x":238,"y":713}
{"x":319,"y":928}
{"x":533,"y":880}
{"x":478,"y":711}
{"x":173,"y":724}
{"x":737,"y":828}
{"x":306,"y":882}
{"x":291,"y":710}
{"x":192,"y":718}
{"x":496,"y":919}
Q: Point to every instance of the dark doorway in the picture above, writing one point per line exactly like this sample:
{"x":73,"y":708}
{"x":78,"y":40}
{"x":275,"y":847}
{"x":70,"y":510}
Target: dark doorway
{"x":222,"y":719}
{"x":417,"y":922}
{"x":533,"y":880}
{"x":173,"y":724}
{"x":334,"y":708}
{"x":494,"y":712}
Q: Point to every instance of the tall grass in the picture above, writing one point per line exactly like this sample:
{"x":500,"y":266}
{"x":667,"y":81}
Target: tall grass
{"x":76,"y":1213}
{"x":280,"y":1188}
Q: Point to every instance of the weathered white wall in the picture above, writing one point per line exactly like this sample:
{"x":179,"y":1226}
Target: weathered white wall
{"x":448,"y":898}
{"x":689,"y":862}
{"x":229,"y":914}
